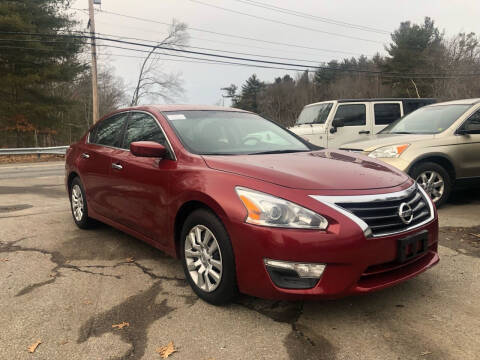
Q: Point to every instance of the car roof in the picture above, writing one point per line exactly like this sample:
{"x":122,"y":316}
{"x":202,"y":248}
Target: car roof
{"x":431,"y":100}
{"x":185,"y":107}
{"x":460,"y":102}
{"x":387,"y":99}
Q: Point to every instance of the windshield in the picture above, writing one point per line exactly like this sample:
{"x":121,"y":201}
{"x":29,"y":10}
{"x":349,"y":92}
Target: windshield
{"x":231,"y":133}
{"x":314,"y":114}
{"x":427,"y":120}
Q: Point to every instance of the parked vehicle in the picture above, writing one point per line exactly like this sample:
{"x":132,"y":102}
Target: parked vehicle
{"x":333,"y":123}
{"x":248,"y":206}
{"x":438,"y":145}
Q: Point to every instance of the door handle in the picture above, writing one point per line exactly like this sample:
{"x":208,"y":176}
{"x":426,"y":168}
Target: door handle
{"x":85,"y":156}
{"x":117,"y":166}
{"x":364,"y":132}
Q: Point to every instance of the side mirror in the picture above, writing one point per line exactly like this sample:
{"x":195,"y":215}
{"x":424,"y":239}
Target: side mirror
{"x":148,"y":149}
{"x":336,"y":123}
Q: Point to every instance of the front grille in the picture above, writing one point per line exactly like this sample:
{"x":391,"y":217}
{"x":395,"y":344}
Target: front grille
{"x":381,"y":213}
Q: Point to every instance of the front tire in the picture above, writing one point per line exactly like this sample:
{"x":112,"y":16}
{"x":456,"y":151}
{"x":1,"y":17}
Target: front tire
{"x":434,"y":179}
{"x":78,"y":205}
{"x":207,"y":258}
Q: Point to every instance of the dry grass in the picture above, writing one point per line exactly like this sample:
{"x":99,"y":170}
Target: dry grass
{"x":13,"y":159}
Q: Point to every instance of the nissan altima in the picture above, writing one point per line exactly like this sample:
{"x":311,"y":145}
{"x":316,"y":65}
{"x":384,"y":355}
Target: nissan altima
{"x":248,"y":206}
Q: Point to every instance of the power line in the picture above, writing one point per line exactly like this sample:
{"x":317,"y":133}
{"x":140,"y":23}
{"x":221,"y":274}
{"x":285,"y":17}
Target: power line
{"x":229,"y":43}
{"x":220,"y":62}
{"x":210,"y":49}
{"x":285,"y":23}
{"x":312,"y":17}
{"x":168,"y":48}
{"x":227,"y":35}
{"x":265,"y":62}
{"x":156,"y":42}
{"x":197,"y":60}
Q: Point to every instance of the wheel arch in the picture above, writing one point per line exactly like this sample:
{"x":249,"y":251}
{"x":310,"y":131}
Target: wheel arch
{"x":186,"y":209}
{"x":441,"y":159}
{"x":70,"y":178}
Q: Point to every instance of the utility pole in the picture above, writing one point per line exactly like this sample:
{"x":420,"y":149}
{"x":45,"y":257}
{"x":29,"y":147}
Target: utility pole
{"x":95,"y":114}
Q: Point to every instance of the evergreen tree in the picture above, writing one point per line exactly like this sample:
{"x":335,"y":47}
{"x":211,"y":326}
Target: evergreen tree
{"x":248,"y":99}
{"x":326,"y":74}
{"x":414,"y":49}
{"x":34,"y":68}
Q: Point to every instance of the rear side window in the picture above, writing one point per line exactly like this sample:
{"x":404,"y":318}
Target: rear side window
{"x":143,"y":127}
{"x":352,"y":114}
{"x":385,"y":114}
{"x":109,"y":131}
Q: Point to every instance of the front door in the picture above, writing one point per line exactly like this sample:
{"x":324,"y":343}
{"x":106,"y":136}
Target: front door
{"x":468,"y":153}
{"x":140,"y":184}
{"x":356,"y":124}
{"x":95,"y":158}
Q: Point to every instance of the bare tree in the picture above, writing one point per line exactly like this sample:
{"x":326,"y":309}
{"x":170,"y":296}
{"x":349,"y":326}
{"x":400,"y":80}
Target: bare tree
{"x":152,"y":81}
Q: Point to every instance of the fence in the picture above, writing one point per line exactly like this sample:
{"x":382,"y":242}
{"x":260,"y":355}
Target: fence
{"x":60,"y":150}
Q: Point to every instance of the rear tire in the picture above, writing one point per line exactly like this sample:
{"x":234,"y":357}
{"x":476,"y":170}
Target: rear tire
{"x":434,"y":179}
{"x":78,"y":205}
{"x":207,"y":258}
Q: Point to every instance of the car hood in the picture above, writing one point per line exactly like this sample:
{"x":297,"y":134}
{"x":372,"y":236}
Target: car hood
{"x":307,"y":129}
{"x":316,"y":170}
{"x":380,"y":140}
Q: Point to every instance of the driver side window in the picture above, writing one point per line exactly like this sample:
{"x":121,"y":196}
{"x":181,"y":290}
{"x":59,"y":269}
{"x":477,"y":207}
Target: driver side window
{"x":352,"y":114}
{"x":472,"y":125}
{"x":143,"y":127}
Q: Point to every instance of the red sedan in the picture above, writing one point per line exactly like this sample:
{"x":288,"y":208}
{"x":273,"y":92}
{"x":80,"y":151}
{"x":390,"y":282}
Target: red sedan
{"x":248,"y":206}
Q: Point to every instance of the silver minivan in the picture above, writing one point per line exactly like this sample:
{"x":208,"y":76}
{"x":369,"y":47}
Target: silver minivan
{"x":336,"y":122}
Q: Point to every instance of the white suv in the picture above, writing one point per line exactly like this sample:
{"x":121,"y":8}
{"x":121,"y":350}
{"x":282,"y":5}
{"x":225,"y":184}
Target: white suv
{"x":336,"y":122}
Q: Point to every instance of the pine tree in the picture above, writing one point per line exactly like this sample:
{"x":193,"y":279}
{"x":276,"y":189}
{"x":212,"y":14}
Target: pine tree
{"x":249,"y":97}
{"x":414,"y":49}
{"x":33,"y":68}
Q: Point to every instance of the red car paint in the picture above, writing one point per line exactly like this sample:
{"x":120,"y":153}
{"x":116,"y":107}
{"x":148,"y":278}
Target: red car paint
{"x":145,"y":198}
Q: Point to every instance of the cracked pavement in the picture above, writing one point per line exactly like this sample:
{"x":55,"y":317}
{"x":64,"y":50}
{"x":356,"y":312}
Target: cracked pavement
{"x":67,"y":287}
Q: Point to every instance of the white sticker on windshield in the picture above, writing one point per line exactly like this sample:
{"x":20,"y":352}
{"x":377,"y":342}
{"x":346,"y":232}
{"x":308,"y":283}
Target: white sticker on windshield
{"x":176,"y":117}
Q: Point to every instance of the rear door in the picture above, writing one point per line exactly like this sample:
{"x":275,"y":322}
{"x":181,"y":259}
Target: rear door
{"x":468,"y":153}
{"x":140,"y":184}
{"x":384,"y":113}
{"x":357,"y":124}
{"x":95,"y":158}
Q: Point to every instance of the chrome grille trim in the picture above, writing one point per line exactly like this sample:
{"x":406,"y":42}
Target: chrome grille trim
{"x":420,"y":203}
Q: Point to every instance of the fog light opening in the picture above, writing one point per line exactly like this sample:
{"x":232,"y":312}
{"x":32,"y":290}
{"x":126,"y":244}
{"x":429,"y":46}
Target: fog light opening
{"x":293,"y":275}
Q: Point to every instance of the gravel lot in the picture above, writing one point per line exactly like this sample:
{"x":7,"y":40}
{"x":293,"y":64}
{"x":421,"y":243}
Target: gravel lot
{"x":67,"y":287}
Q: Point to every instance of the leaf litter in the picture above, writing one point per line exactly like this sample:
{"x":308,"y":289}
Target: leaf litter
{"x":166,"y":351}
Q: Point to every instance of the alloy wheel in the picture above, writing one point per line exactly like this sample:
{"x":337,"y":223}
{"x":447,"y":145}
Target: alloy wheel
{"x":433,"y":184}
{"x":203,"y":258}
{"x":77,"y":203}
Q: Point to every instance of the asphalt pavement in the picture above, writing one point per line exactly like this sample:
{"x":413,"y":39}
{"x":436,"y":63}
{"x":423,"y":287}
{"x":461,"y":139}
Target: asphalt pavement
{"x":101,"y":294}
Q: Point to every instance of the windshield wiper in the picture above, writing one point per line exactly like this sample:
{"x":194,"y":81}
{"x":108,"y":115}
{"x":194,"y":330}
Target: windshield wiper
{"x":277,"y":152}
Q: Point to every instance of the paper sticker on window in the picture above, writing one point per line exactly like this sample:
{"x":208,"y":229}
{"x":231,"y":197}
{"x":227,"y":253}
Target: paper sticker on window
{"x":176,"y":117}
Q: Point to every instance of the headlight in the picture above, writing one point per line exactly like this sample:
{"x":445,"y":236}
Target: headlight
{"x":268,"y":210}
{"x":389,"y":151}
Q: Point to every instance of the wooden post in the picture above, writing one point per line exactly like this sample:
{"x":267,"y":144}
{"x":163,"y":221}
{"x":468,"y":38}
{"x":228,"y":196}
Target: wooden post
{"x":95,"y":114}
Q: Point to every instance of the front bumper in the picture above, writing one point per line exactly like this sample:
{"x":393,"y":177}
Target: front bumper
{"x":355,"y":264}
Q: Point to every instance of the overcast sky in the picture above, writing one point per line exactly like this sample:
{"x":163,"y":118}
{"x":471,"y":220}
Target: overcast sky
{"x":202,"y":82}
